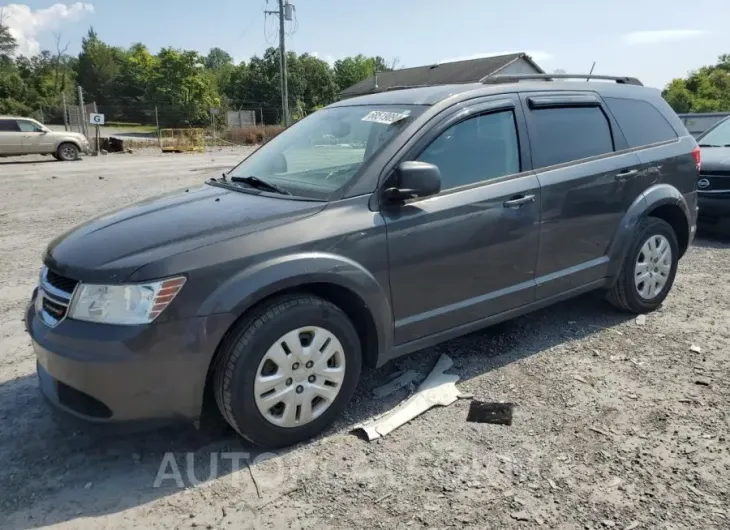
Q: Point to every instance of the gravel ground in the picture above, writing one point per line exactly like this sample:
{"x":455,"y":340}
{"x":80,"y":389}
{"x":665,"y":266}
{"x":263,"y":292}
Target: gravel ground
{"x":618,"y":424}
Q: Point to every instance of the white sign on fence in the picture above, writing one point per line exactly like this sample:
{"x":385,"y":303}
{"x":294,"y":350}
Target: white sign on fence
{"x":96,"y":119}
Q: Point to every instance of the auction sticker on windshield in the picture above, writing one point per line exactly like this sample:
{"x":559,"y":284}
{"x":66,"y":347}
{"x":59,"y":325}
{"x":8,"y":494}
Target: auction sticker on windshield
{"x":387,"y":118}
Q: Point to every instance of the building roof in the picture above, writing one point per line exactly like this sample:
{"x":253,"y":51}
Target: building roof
{"x":469,"y":71}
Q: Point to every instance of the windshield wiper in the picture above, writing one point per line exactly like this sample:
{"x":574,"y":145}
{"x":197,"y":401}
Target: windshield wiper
{"x":256,"y":182}
{"x":713,"y":145}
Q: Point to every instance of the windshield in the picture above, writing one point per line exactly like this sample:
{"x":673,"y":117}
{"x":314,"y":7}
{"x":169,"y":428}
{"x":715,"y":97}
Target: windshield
{"x":319,"y":155}
{"x":717,"y":137}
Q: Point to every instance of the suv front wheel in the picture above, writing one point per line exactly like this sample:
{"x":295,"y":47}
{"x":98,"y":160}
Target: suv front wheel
{"x":67,"y":152}
{"x":649,"y":268}
{"x":287,"y":370}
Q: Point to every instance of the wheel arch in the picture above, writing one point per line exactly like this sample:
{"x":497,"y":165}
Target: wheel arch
{"x":662,"y":201}
{"x":334,"y":278}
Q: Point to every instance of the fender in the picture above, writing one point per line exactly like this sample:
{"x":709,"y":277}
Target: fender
{"x":255,"y":283}
{"x":650,"y":199}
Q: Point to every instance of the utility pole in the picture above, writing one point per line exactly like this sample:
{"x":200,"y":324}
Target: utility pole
{"x":284,"y":13}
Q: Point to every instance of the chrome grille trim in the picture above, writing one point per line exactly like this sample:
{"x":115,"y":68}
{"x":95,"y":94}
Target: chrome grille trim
{"x":54,"y":295}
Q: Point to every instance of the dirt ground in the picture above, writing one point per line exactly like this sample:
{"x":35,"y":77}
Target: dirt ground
{"x":618,"y":424}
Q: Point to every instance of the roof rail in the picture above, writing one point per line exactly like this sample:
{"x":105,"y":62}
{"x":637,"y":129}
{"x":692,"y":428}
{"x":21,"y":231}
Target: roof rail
{"x":499,"y":79}
{"x":403,"y":87}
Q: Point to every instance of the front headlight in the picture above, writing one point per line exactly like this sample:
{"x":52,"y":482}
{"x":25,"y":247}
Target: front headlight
{"x":123,"y":304}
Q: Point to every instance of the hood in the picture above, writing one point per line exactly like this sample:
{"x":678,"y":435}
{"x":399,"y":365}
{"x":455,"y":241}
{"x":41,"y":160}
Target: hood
{"x":715,"y":159}
{"x":112,"y":246}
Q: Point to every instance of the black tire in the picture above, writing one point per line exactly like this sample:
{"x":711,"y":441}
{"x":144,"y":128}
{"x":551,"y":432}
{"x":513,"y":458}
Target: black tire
{"x":624,"y":295}
{"x":244,"y":348}
{"x":67,"y":152}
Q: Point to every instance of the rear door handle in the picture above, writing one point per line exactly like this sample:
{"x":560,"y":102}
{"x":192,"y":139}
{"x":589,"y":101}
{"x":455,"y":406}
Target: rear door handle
{"x":519,"y":201}
{"x":628,"y":174}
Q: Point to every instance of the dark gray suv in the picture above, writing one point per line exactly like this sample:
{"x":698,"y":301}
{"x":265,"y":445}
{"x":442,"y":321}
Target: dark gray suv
{"x":373,"y":228}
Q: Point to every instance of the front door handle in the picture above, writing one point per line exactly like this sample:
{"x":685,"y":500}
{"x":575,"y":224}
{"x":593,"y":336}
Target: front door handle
{"x":519,"y":201}
{"x":626,"y":175}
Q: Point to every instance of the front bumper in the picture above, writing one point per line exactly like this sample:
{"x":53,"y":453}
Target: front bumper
{"x":107,"y":373}
{"x":714,"y":205}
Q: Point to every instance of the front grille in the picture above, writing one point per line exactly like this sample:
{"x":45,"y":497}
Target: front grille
{"x":60,"y":282}
{"x":54,"y":297}
{"x":55,"y":309}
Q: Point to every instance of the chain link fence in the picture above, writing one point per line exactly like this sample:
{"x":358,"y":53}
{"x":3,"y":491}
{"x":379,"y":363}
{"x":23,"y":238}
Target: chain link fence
{"x":148,"y":125}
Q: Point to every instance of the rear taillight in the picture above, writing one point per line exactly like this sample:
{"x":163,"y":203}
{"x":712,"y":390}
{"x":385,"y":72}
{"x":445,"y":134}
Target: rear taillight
{"x":696,"y":154}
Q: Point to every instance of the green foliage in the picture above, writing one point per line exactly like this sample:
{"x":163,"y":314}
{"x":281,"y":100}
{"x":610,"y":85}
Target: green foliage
{"x":704,"y":90}
{"x":7,"y":43}
{"x":129,"y":84}
{"x":351,"y":70}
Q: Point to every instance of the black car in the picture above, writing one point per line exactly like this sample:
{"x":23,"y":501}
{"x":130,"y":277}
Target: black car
{"x":713,"y":187}
{"x":436,"y":211}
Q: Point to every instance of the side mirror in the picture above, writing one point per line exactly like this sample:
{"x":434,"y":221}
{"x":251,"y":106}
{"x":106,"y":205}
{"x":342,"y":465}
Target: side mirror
{"x":414,"y":180}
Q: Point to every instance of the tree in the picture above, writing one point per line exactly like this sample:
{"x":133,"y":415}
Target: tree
{"x":351,"y":70}
{"x":7,"y":42}
{"x":218,"y":59}
{"x":186,"y":89}
{"x":98,"y":68}
{"x":704,"y":90}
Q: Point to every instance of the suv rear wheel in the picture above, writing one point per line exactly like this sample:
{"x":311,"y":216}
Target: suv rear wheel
{"x":67,"y":152}
{"x":288,"y":370}
{"x":649,"y":268}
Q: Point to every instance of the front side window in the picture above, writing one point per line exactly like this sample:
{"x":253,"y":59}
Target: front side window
{"x":9,"y":126}
{"x":321,"y":154}
{"x":474,"y":150}
{"x":565,"y":134}
{"x":717,"y":137}
{"x":28,"y":126}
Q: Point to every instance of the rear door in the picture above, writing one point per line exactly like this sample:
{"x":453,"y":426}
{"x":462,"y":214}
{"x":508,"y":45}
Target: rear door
{"x":588,"y":181}
{"x":11,"y":139}
{"x":468,"y":252}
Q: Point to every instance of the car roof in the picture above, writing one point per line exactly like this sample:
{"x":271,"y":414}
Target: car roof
{"x":16,"y":118}
{"x":430,"y":95}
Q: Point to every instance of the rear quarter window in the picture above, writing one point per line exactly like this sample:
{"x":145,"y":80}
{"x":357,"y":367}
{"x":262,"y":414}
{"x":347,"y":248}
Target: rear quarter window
{"x":640,"y":121}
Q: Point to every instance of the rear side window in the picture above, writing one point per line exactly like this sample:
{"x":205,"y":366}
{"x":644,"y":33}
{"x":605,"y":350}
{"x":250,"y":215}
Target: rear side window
{"x":640,"y":121}
{"x":564,"y":134}
{"x":9,"y":126}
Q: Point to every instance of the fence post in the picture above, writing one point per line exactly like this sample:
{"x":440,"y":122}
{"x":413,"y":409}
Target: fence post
{"x":157,"y":121}
{"x":65,"y":112}
{"x":82,"y":113}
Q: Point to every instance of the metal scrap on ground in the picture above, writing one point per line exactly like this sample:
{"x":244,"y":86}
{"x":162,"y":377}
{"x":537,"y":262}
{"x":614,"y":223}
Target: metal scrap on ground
{"x":497,"y":413}
{"x":439,"y":388}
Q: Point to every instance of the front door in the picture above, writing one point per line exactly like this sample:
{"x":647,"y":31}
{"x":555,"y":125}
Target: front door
{"x":588,"y":181}
{"x":470,"y":251}
{"x":35,"y":139}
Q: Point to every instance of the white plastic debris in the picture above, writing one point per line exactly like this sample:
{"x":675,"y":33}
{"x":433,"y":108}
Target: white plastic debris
{"x":439,"y":388}
{"x":396,"y":384}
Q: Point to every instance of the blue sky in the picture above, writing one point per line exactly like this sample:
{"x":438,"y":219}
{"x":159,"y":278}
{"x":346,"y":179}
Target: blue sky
{"x":654,"y":40}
